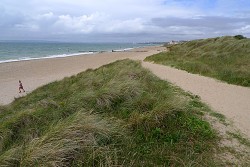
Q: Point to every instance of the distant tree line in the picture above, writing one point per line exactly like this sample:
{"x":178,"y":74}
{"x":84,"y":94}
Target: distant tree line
{"x":239,"y":37}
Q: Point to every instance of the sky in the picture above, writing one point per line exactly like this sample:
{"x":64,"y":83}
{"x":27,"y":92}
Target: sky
{"x":122,"y":20}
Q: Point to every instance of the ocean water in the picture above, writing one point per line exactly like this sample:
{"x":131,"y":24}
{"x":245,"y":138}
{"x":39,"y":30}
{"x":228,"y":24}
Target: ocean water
{"x":20,"y":51}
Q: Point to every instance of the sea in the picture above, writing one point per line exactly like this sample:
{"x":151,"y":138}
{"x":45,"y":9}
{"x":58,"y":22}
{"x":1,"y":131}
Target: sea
{"x":23,"y":51}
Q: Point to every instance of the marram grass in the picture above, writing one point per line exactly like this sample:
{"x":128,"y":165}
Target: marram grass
{"x":117,"y":115}
{"x":224,"y":58}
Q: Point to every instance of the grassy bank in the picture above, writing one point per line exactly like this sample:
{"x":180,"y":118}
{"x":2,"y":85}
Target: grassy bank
{"x":119,"y":114}
{"x":225,"y":58}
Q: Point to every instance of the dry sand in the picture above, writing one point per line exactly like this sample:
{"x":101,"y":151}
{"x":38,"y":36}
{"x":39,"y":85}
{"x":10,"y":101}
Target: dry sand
{"x":230,"y":100}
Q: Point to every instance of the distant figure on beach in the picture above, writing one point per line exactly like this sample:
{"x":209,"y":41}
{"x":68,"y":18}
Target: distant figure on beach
{"x":21,"y":87}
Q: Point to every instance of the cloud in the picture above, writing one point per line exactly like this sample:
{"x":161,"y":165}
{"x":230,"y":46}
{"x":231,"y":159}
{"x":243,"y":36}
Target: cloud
{"x":80,"y":24}
{"x":29,"y":27}
{"x":157,"y":20}
{"x":46,"y":16}
{"x":203,"y":25}
{"x":84,"y":24}
{"x":243,"y":30}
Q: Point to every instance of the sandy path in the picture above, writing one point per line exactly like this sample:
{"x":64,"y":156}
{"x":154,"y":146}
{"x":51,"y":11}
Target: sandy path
{"x":229,"y":100}
{"x":36,"y":73}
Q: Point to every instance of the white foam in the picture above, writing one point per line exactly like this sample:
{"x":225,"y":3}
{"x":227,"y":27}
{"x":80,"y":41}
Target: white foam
{"x":62,"y":55}
{"x":46,"y":57}
{"x":123,"y":50}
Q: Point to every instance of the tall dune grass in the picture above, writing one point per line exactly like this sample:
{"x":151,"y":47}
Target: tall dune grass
{"x":225,"y":58}
{"x":117,"y":115}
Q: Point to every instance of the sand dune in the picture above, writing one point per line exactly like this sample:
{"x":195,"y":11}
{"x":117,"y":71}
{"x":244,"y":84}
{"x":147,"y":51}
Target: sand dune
{"x":230,"y":100}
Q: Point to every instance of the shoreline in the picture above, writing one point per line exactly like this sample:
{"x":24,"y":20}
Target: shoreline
{"x":79,"y":53}
{"x":35,"y":73}
{"x":45,"y":57}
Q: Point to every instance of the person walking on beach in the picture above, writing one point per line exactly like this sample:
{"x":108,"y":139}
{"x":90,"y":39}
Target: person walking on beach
{"x":21,"y":87}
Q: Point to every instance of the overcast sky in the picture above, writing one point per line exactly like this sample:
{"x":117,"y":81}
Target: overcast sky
{"x":122,"y":20}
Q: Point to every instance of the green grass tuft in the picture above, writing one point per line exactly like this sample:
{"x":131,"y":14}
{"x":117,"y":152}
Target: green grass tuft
{"x":240,"y":138}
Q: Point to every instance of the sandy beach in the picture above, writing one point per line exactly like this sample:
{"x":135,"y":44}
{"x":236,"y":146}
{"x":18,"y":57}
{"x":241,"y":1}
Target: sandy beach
{"x":35,"y":73}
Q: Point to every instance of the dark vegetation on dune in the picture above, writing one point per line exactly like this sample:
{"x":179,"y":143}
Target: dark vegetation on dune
{"x":119,"y":114}
{"x":225,"y":58}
